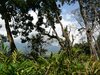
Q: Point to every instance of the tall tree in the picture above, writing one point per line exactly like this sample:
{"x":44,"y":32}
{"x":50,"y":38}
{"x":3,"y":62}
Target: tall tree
{"x":6,"y":10}
{"x":52,"y":15}
{"x":98,"y":44}
{"x":22,"y":20}
{"x":90,"y":14}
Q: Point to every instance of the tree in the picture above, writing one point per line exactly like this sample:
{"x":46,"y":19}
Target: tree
{"x":82,"y":48}
{"x":37,"y":43}
{"x":52,"y":15}
{"x":22,"y":20}
{"x":89,"y":12}
{"x":7,"y":11}
{"x":98,"y":45}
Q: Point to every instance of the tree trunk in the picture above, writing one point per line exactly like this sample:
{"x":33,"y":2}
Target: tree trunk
{"x":66,"y":43}
{"x":9,"y":35}
{"x":93,"y":51}
{"x":89,"y":30}
{"x":97,"y":46}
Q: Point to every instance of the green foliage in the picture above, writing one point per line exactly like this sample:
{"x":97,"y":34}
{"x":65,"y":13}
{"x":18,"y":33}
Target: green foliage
{"x":37,"y":43}
{"x":81,"y":48}
{"x":57,"y":64}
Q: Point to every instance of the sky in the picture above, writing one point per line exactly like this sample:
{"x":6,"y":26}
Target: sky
{"x":67,"y":19}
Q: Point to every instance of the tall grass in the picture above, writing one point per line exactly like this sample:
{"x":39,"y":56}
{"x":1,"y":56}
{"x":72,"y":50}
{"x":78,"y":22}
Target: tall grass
{"x":56,"y":64}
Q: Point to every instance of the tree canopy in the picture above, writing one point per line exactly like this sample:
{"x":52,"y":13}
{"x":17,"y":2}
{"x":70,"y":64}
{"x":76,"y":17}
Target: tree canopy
{"x":16,"y":12}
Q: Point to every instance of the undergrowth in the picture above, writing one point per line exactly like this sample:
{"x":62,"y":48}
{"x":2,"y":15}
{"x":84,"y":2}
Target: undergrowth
{"x":56,"y":64}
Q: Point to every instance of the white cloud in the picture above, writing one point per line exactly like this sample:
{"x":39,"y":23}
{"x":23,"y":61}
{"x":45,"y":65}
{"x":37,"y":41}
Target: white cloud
{"x":34,"y":14}
{"x":2,"y":30}
{"x":72,"y":28}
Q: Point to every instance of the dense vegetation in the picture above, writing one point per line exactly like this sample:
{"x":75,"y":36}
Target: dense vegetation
{"x":72,"y":59}
{"x":56,"y":64}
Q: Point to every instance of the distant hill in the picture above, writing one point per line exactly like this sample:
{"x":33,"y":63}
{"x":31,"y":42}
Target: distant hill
{"x":22,"y":47}
{"x":52,"y":48}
